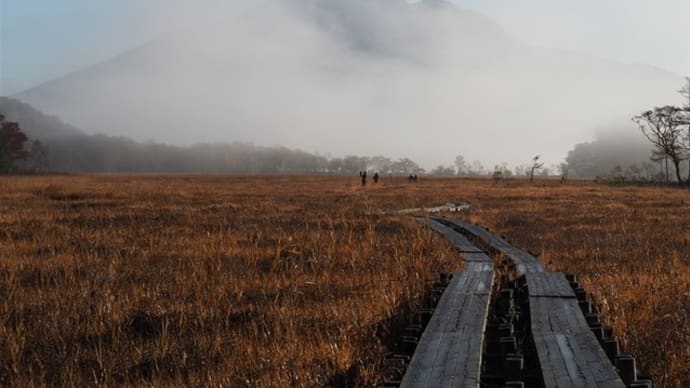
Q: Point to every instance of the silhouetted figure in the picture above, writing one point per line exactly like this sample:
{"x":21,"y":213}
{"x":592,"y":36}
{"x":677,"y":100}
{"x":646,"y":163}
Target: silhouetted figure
{"x":410,"y":178}
{"x":363,"y":175}
{"x":376,"y":177}
{"x":415,"y":178}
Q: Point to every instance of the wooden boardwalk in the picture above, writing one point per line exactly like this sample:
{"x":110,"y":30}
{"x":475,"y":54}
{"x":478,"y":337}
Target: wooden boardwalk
{"x":460,"y":242}
{"x":568,"y":351}
{"x":524,"y":261}
{"x":449,"y":352}
{"x":549,"y":284}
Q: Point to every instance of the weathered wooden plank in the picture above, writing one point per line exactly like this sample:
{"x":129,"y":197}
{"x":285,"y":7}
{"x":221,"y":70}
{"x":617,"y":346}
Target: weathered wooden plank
{"x":449,"y":352}
{"x":529,"y":268}
{"x":490,"y":238}
{"x":459,"y":349}
{"x":569,"y":353}
{"x":549,"y":284}
{"x":479,"y":266}
{"x":524,"y":261}
{"x":450,"y":348}
{"x":556,"y":315}
{"x":460,"y":242}
{"x":471,"y":281}
{"x":476,"y":256}
{"x":520,"y":256}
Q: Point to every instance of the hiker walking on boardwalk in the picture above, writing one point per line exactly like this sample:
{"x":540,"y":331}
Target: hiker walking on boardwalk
{"x":363,"y":175}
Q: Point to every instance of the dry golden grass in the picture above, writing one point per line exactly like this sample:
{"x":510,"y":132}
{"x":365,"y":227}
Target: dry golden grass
{"x":232,"y":281}
{"x":199,"y":280}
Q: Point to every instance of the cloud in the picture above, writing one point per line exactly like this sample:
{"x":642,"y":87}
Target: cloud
{"x":354,"y":77}
{"x":630,"y":31}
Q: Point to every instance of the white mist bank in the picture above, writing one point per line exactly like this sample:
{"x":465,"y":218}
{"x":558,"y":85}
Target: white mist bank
{"x":428,"y":81}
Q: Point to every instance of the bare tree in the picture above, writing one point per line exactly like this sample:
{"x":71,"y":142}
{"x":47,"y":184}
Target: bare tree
{"x":522,"y":170}
{"x":536,"y":165}
{"x":685,"y":92}
{"x":662,"y":127}
{"x":497,"y":174}
{"x":660,"y":157}
{"x":564,"y":170}
{"x":476,"y":168}
{"x":461,"y":165}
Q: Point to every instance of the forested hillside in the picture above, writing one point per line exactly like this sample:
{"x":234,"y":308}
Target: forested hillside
{"x":69,"y":149}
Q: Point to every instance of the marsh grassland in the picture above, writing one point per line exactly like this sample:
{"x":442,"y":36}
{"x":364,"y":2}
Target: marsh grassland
{"x":297,"y":281}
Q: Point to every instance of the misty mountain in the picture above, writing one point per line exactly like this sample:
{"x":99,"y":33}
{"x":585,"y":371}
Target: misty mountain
{"x":69,"y":149}
{"x":34,"y":123}
{"x":426,"y":80}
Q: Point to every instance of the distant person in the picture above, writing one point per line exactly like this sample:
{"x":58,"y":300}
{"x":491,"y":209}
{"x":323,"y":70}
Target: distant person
{"x":376,"y":177}
{"x":363,"y":175}
{"x":415,"y":178}
{"x":410,"y":178}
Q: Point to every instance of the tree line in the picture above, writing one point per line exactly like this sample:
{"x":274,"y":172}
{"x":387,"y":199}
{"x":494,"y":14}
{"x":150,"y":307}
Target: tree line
{"x":34,"y":141}
{"x":59,"y":147}
{"x":106,"y":154}
{"x":98,"y":153}
{"x":43,"y":143}
{"x":64,"y":148}
{"x":79,"y":152}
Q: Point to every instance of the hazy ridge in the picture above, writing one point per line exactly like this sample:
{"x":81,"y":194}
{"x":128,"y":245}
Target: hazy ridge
{"x":357,"y":77}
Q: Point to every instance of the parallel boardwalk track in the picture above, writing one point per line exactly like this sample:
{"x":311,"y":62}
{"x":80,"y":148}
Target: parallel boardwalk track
{"x":449,"y":351}
{"x":544,"y":323}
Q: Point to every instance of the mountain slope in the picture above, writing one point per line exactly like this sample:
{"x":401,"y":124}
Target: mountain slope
{"x":34,"y":123}
{"x":68,"y":149}
{"x":424,"y":80}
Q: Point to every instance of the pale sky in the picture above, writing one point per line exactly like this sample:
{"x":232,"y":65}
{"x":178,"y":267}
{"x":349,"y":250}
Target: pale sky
{"x":44,"y":39}
{"x":631,"y":31}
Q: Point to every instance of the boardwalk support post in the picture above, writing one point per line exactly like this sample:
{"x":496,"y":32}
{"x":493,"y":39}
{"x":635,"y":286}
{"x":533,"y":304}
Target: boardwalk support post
{"x":626,"y":366}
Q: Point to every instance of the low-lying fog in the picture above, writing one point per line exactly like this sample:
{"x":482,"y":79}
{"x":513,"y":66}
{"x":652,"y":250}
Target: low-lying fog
{"x":427,"y":81}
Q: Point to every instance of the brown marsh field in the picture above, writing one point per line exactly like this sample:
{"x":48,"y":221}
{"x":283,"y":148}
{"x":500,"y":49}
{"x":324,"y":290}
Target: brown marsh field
{"x":123,"y":280}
